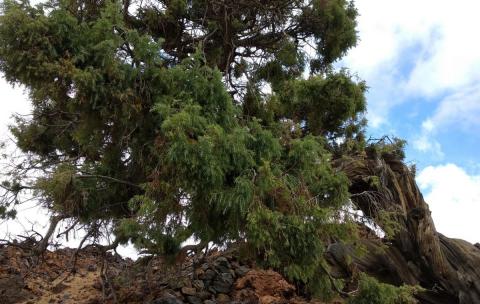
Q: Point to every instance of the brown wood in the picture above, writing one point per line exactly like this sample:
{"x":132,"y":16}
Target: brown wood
{"x":449,"y":269}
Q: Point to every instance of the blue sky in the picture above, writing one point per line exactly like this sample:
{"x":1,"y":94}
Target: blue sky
{"x":421,"y":60}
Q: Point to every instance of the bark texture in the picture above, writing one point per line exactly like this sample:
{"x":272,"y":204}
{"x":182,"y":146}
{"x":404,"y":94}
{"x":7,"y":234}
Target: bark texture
{"x":449,"y":269}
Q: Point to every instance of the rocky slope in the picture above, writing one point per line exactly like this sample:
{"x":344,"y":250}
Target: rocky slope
{"x":96,"y":278}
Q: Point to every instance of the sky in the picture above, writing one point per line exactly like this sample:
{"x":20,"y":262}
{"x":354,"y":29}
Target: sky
{"x":421,"y":61}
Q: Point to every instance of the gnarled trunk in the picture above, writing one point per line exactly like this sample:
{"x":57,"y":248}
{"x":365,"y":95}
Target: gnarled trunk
{"x":449,"y":269}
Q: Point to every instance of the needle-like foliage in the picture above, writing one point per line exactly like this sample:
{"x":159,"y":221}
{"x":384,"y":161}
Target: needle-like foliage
{"x":173,"y":120}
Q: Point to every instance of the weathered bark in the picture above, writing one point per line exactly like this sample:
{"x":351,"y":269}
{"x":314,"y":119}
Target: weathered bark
{"x":43,"y":244}
{"x":449,"y":269}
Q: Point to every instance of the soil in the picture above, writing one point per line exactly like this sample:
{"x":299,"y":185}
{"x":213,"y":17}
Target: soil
{"x":97,"y":278}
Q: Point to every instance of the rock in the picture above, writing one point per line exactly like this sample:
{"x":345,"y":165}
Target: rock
{"x":222,"y":265}
{"x":223,"y":283}
{"x":194,"y":300}
{"x":204,"y":295}
{"x":223,"y":298}
{"x":222,"y":261}
{"x":189,"y":291}
{"x":167,"y":299}
{"x":199,"y":272}
{"x":212,"y":290}
{"x":242,"y":270}
{"x":178,"y":283}
{"x":209,"y":302}
{"x":208,"y":275}
{"x":198,"y":284}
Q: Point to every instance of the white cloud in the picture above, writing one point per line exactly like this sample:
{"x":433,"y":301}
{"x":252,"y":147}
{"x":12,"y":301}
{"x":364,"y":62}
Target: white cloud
{"x":426,"y":143}
{"x":460,"y":110}
{"x":386,"y":28}
{"x":12,"y":100}
{"x":452,"y":60}
{"x":415,"y":49}
{"x":454,"y":199}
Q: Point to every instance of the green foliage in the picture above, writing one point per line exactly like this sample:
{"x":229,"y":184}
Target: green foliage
{"x":388,"y":148}
{"x":145,"y":120}
{"x":324,"y":103}
{"x":374,"y":292}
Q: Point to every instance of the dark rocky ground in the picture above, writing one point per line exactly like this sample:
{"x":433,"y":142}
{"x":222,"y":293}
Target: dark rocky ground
{"x":219,"y":278}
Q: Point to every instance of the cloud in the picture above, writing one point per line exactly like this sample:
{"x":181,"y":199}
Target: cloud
{"x":454,"y":199}
{"x":426,"y":143}
{"x":452,"y":59}
{"x":459,"y":111}
{"x":387,"y":28}
{"x":13,"y":100}
{"x":415,"y":49}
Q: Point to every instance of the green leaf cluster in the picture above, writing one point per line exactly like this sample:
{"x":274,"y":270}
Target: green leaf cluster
{"x":373,"y":292}
{"x":159,"y":122}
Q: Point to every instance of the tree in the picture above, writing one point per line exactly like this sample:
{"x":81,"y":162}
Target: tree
{"x":171,"y":120}
{"x":154,"y":118}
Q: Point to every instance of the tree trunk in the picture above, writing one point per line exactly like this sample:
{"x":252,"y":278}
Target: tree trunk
{"x":416,"y":254}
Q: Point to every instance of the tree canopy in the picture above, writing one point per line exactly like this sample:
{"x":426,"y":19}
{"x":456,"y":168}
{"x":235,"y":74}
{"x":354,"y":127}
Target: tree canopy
{"x":170,"y":120}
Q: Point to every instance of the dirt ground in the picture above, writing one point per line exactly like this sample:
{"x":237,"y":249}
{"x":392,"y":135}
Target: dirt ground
{"x":99,"y":278}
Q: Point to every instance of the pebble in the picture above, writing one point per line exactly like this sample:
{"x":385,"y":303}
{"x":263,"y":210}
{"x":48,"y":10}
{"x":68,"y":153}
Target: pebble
{"x":167,"y":300}
{"x":189,"y":291}
{"x":223,"y":283}
{"x":223,"y":298}
{"x":194,"y":300}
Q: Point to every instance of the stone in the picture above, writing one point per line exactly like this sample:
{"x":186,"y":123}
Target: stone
{"x":204,"y":295}
{"x":178,"y":283}
{"x":223,"y":283}
{"x":242,"y":270}
{"x":222,"y":265}
{"x":222,"y":261}
{"x":194,"y":300}
{"x":189,"y":291}
{"x":167,"y":299}
{"x":199,"y":272}
{"x":198,"y":284}
{"x":223,"y":298}
{"x":208,"y":275}
{"x":209,"y":302}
